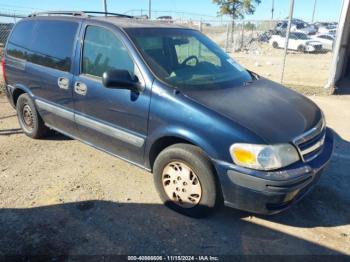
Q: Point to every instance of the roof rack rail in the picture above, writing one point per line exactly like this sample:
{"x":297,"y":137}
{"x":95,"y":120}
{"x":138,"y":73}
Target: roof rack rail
{"x":78,"y":13}
{"x":107,"y":13}
{"x":71,"y":13}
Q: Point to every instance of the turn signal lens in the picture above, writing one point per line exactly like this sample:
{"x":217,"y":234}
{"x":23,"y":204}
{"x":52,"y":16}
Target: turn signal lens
{"x":244,"y":156}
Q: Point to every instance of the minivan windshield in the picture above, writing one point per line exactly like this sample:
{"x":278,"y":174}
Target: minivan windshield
{"x":186,"y":58}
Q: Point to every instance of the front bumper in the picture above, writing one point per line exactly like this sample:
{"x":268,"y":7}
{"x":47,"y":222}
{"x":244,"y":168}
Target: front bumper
{"x":313,"y":48}
{"x":271,"y":192}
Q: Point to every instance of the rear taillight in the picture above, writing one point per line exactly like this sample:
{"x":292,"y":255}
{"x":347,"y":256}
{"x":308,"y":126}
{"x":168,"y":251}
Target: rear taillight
{"x":3,"y":68}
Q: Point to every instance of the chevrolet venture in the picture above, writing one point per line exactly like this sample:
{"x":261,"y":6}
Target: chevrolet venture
{"x":167,"y":99}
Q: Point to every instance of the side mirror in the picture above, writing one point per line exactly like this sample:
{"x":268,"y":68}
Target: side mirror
{"x":120,"y":79}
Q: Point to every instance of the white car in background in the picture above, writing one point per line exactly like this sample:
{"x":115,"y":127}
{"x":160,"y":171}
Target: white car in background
{"x":327,"y":40}
{"x":297,"y":41}
{"x":328,"y":29}
{"x":297,"y":26}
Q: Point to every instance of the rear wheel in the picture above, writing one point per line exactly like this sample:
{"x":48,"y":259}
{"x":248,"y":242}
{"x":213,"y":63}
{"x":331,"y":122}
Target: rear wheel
{"x":185,"y":180}
{"x":29,"y":118}
{"x":275,"y":45}
{"x":301,"y":49}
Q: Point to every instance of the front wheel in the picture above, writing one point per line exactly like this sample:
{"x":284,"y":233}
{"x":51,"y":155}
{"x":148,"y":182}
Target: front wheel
{"x":185,"y":180}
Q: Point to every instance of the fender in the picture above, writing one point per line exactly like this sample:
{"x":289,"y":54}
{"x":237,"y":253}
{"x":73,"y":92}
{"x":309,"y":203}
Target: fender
{"x":180,"y":133}
{"x":18,"y":87}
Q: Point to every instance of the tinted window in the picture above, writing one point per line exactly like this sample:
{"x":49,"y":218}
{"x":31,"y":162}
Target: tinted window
{"x":301,"y":36}
{"x":103,"y":51}
{"x":292,"y":36}
{"x":18,"y":44}
{"x":53,"y":44}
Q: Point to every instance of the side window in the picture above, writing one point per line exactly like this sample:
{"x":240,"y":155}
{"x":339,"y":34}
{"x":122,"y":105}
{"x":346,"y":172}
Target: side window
{"x":53,"y":44}
{"x":187,"y":47}
{"x":103,"y":51}
{"x":18,"y":44}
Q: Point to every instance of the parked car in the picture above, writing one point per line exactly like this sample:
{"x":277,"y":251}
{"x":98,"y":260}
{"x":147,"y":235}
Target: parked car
{"x":327,"y":40}
{"x":329,"y":29}
{"x":211,"y":131}
{"x":166,"y":19}
{"x":297,"y":41}
{"x":297,"y":26}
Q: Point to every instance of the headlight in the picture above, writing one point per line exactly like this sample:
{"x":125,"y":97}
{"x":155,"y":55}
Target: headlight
{"x":263,"y":157}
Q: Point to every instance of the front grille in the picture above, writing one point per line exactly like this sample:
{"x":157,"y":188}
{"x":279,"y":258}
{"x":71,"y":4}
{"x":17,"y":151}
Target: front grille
{"x":310,"y":144}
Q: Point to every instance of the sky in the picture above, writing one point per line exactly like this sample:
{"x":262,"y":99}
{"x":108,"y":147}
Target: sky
{"x":326,"y":10}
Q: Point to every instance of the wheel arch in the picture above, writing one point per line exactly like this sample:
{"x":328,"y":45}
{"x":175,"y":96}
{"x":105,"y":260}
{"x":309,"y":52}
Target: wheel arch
{"x":162,"y":142}
{"x":17,"y":91}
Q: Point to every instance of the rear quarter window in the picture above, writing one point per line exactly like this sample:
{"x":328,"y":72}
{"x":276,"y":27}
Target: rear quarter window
{"x":53,"y":43}
{"x":19,"y":43}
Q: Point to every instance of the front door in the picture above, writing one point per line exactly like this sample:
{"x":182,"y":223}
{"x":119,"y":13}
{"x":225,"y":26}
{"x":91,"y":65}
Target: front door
{"x":112,"y":119}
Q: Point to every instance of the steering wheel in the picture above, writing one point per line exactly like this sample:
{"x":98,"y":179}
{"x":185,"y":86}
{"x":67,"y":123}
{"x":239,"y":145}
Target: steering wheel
{"x":189,"y":59}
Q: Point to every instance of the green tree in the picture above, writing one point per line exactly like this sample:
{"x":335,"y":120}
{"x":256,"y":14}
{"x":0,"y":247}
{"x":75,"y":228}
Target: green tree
{"x":249,"y":26}
{"x":237,"y":8}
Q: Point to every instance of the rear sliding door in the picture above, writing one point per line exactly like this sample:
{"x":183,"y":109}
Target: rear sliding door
{"x":49,"y":62}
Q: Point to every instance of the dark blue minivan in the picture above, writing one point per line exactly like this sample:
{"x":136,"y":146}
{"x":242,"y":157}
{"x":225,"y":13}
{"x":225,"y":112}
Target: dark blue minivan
{"x":167,"y":99}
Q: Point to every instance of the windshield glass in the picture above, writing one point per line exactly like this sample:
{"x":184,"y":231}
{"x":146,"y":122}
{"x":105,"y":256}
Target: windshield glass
{"x":187,"y":58}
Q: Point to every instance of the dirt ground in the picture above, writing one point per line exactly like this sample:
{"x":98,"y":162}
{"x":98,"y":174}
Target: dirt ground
{"x":59,"y":196}
{"x":306,"y":73}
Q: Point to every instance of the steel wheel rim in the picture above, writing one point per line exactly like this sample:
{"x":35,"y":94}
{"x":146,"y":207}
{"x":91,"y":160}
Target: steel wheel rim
{"x":181,"y":184}
{"x":27,"y":117}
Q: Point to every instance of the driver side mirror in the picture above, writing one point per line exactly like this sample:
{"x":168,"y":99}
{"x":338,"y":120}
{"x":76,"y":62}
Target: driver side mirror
{"x":120,"y":79}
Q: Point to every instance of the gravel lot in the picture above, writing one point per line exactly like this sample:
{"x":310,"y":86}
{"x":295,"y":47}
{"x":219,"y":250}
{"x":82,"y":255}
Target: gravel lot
{"x":59,"y":196}
{"x":306,"y":73}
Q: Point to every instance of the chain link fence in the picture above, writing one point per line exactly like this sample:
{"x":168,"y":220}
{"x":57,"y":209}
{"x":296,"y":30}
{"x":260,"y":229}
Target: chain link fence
{"x":259,"y":46}
{"x":256,"y":44}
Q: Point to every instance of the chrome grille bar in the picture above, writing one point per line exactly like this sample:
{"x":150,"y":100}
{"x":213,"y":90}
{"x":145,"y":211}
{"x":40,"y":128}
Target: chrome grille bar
{"x":306,"y":154}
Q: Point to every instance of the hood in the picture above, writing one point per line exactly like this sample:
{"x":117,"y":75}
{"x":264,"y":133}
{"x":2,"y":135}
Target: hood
{"x":275,"y":113}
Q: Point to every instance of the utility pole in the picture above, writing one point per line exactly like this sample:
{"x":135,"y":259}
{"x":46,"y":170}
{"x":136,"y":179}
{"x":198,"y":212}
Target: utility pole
{"x":149,"y":9}
{"x":105,"y":6}
{"x":313,"y":12}
{"x":272,"y":9}
{"x":291,"y":12}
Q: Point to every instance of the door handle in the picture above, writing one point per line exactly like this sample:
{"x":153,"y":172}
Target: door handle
{"x":80,"y":88}
{"x":63,"y":83}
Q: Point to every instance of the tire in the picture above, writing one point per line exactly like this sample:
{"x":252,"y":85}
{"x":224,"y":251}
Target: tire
{"x":275,"y":45}
{"x":301,"y":49}
{"x":191,"y":164}
{"x":29,"y":118}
